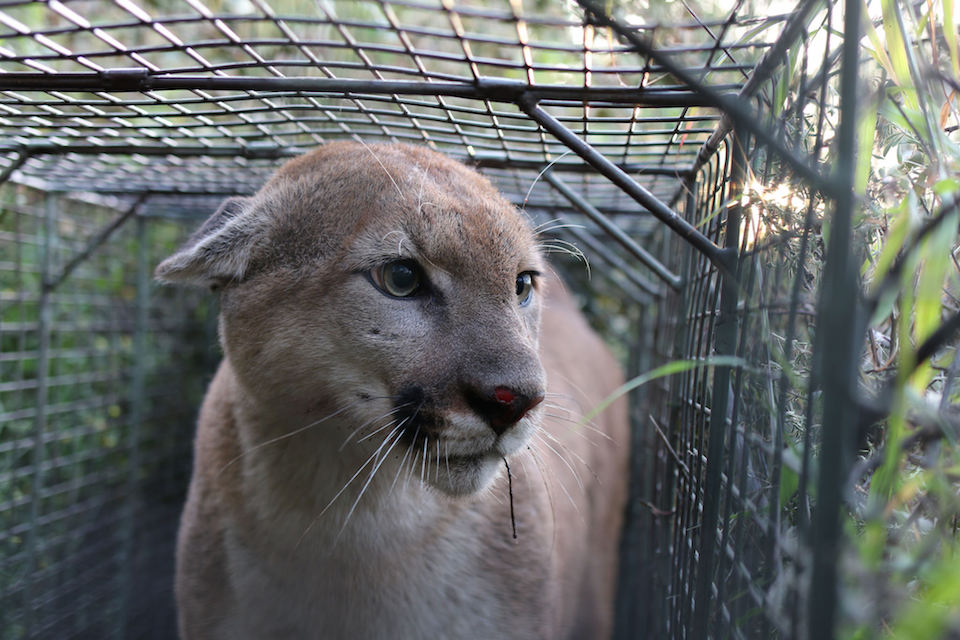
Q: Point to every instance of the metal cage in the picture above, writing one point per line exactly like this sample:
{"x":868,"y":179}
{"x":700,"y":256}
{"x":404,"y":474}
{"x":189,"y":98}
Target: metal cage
{"x":656,"y":135}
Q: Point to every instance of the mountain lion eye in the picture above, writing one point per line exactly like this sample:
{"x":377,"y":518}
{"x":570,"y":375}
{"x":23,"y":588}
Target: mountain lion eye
{"x":400,"y":279}
{"x":525,"y":288}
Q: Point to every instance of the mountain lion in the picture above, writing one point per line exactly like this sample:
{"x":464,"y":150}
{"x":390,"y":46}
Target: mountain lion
{"x":392,"y":342}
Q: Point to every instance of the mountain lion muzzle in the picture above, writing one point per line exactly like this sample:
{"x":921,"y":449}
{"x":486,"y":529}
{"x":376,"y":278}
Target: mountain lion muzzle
{"x":392,"y":339}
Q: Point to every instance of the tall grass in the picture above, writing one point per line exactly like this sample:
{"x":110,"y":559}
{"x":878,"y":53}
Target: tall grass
{"x":903,"y":571}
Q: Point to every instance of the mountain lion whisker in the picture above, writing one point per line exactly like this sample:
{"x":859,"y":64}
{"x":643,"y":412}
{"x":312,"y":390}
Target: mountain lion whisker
{"x":367,"y":424}
{"x":573,"y":426}
{"x":567,"y":450}
{"x":373,"y":472}
{"x":287,"y":435}
{"x":382,"y":427}
{"x":424,"y":465}
{"x":576,"y":476}
{"x":342,"y":489}
{"x":546,"y":489}
{"x":403,"y":460}
{"x":563,"y":488}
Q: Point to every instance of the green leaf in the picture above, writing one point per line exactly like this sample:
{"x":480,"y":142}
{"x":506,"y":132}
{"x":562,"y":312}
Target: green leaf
{"x":900,"y":221}
{"x":897,"y":50}
{"x":873,"y":542}
{"x":789,"y":482}
{"x":946,"y":186}
{"x":866,"y":134}
{"x":934,"y":252}
{"x":876,"y":49}
{"x":950,"y":34}
{"x":884,"y":306}
{"x":677,"y":366}
{"x":926,"y":616}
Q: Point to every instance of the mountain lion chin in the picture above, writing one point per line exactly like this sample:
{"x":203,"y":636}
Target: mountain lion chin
{"x":461,"y":476}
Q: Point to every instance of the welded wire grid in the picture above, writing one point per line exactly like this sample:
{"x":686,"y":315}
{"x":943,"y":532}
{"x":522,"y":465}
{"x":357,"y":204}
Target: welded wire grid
{"x":100,"y":379}
{"x":161,"y":109}
{"x":731,"y":540}
{"x":442,"y":43}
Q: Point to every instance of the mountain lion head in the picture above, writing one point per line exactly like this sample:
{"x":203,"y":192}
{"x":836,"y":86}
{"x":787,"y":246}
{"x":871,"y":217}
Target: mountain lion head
{"x":405,"y":300}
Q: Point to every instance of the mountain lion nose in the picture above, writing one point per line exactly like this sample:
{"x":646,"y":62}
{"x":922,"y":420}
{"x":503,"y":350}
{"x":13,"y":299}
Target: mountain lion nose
{"x":502,"y":407}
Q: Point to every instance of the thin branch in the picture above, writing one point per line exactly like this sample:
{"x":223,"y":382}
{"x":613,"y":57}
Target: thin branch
{"x":929,"y":430}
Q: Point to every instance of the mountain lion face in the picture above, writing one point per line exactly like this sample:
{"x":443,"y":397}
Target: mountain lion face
{"x":406,"y":302}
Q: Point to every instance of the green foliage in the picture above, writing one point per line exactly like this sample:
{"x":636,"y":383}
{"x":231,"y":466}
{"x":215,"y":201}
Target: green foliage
{"x":905,"y":562}
{"x":69,"y":361}
{"x":668,"y":369}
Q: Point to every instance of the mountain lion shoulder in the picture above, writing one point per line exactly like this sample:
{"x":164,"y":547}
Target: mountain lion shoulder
{"x":392,"y":341}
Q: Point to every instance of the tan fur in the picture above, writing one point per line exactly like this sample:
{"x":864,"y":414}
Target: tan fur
{"x":314,"y":351}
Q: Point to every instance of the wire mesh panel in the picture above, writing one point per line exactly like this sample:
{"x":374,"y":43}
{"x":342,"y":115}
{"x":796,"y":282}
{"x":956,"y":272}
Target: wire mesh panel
{"x":735,"y":446}
{"x":207,"y":89}
{"x":170,"y":108}
{"x":101,"y":376}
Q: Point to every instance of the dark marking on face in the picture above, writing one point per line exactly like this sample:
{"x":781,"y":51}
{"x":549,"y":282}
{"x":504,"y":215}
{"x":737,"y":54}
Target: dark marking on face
{"x":416,"y":410}
{"x":411,"y":395}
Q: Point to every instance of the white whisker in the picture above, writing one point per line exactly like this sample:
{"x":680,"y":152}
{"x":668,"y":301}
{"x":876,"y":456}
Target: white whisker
{"x":577,"y":422}
{"x":563,"y":487}
{"x":546,"y":486}
{"x":288,"y":435}
{"x":573,"y":472}
{"x":540,"y":175}
{"x":373,"y":472}
{"x":382,"y":166}
{"x":555,"y":223}
{"x":575,"y":428}
{"x":413,"y":462}
{"x":423,"y":466}
{"x":569,"y":451}
{"x":556,"y":245}
{"x":379,"y":429}
{"x":342,"y":489}
{"x":446,"y":456}
{"x":400,"y":467}
{"x":368,"y":423}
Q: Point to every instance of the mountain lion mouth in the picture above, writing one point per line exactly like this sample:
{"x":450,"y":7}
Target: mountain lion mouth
{"x":457,"y":454}
{"x":463,"y":475}
{"x":460,"y":438}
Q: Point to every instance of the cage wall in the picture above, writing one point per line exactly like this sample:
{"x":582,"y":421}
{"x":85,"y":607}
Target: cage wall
{"x":102,"y":373}
{"x":737,"y":430}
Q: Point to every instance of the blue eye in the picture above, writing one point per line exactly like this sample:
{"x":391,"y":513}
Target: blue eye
{"x":400,"y":279}
{"x":525,"y":288}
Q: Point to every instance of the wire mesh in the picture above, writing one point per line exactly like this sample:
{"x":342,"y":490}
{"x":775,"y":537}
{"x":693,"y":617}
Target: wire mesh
{"x":101,"y":375}
{"x":162,"y":110}
{"x":434,"y":45}
{"x":735,"y":550}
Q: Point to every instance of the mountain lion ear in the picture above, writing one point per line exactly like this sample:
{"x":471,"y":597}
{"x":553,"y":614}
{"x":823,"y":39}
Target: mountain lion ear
{"x":218,"y":252}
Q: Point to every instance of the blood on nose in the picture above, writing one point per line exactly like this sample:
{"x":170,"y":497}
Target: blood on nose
{"x":501,"y":406}
{"x":504,"y":395}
